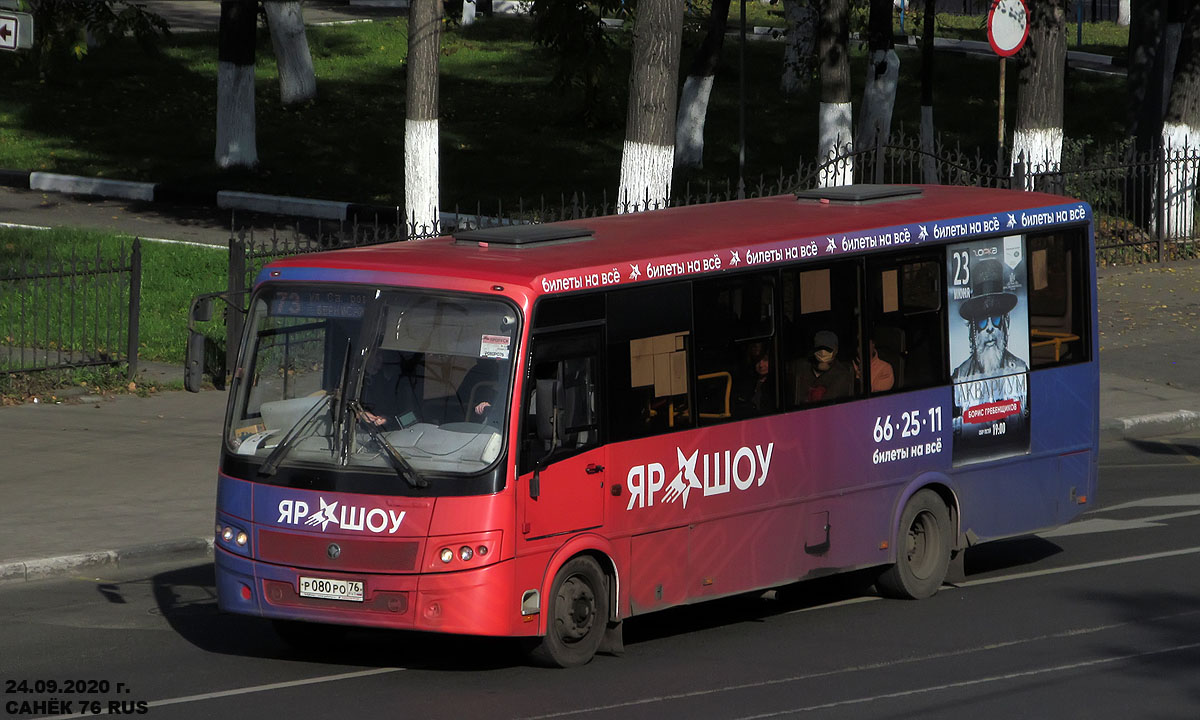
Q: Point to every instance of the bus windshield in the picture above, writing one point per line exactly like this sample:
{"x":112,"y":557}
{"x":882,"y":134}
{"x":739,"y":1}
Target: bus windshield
{"x":379,"y":380}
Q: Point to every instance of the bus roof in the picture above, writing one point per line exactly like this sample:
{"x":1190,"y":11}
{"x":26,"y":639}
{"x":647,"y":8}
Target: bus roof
{"x":705,"y":238}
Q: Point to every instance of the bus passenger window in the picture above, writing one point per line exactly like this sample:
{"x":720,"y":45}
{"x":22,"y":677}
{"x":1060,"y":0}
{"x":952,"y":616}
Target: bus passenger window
{"x":906,"y":323}
{"x":735,"y":363}
{"x":820,"y":337}
{"x":1057,"y":299}
{"x":649,"y":342}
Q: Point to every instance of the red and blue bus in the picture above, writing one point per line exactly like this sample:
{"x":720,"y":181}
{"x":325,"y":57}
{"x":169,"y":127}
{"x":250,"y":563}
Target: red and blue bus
{"x":542,"y":430}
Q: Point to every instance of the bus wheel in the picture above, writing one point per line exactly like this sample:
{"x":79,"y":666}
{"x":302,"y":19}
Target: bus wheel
{"x":577,"y":615}
{"x":922,"y":551}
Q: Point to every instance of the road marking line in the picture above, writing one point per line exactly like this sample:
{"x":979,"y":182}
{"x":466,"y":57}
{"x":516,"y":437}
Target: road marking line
{"x":1082,"y":566}
{"x":253,"y":689}
{"x":978,"y":681}
{"x":19,"y":226}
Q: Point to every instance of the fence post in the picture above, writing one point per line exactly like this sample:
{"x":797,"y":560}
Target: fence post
{"x":1160,"y":203}
{"x":235,"y":285}
{"x":135,"y":306}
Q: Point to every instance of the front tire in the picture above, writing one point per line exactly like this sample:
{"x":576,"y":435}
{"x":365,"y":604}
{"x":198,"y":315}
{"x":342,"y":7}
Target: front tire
{"x":922,"y":549}
{"x":577,"y":615}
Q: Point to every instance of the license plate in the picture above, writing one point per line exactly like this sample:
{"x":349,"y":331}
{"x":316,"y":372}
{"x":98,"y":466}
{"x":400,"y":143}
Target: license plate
{"x":328,"y":589}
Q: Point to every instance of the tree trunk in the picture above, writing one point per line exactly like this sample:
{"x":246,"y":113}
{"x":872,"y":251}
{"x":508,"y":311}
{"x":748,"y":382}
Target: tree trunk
{"x":421,"y":122}
{"x":693,"y":103}
{"x":929,"y":166}
{"x":236,"y":140}
{"x":650,"y":124}
{"x":883,"y":74}
{"x":1181,"y":134}
{"x":1123,"y":13}
{"x":800,"y":52}
{"x":835,"y":138}
{"x":297,"y":82}
{"x":1038,"y":135}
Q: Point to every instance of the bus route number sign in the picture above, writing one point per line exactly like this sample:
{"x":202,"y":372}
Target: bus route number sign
{"x":1008,"y":26}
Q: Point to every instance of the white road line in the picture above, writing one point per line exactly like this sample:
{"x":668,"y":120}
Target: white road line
{"x":19,"y":226}
{"x":978,"y":681}
{"x":1082,"y":566}
{"x":253,"y":689}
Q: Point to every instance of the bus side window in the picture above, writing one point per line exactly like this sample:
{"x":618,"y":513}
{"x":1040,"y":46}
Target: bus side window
{"x":567,"y":361}
{"x":649,"y":343}
{"x":736,"y":374}
{"x":1057,"y":299}
{"x":821,"y":309}
{"x":906,"y":322}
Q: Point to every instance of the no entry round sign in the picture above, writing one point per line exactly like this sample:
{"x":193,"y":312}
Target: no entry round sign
{"x":1008,"y":26}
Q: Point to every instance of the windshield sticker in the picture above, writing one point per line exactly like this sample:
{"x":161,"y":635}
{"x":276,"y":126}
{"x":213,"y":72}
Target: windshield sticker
{"x":494,"y":346}
{"x":250,"y":443}
{"x":789,"y":251}
{"x":989,"y":348}
{"x":346,"y":517}
{"x":708,"y":473}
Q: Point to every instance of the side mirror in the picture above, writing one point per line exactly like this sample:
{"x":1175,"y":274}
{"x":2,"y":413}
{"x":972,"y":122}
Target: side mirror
{"x":193,"y":366}
{"x":202,"y":309}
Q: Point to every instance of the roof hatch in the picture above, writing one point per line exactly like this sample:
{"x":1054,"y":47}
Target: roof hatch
{"x":859,"y":194}
{"x":523,"y":235}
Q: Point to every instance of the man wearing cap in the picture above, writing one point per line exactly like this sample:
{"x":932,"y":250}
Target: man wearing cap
{"x":987,"y":315}
{"x":823,"y":376}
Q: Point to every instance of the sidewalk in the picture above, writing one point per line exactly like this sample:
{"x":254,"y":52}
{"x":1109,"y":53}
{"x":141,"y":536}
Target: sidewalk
{"x":113,"y":482}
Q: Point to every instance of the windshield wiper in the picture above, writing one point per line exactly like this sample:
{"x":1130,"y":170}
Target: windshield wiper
{"x":402,"y":467}
{"x":271,"y":464}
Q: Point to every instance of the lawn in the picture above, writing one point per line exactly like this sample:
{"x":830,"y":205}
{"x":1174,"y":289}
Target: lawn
{"x":506,"y":133}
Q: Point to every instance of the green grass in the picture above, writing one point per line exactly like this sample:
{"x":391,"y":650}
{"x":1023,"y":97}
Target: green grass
{"x":171,"y":275}
{"x":506,"y":134}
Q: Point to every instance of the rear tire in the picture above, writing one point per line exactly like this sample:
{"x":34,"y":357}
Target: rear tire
{"x":576,"y":615}
{"x":922,"y":549}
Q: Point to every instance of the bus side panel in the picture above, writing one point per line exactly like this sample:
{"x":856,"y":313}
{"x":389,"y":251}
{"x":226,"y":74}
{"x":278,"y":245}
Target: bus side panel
{"x":1045,"y":488}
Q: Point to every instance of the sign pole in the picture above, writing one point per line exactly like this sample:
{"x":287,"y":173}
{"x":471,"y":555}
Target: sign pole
{"x":1000,"y":134}
{"x":1008,"y":28}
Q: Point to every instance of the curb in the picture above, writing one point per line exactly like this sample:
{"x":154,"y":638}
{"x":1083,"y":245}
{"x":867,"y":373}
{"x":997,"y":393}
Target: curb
{"x":1146,"y":426}
{"x":44,"y":568}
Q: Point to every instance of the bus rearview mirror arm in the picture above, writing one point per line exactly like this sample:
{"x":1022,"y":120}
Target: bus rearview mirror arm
{"x":201,"y":310}
{"x":546,"y":401}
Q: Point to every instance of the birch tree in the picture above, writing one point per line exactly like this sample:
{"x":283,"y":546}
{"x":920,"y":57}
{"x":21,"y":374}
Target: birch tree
{"x":421,"y":122}
{"x":834,"y":128}
{"x":650,"y":123}
{"x":1123,"y":13}
{"x":236,"y":138}
{"x":1038,"y":135}
{"x":929,"y":166}
{"x":1181,"y":133}
{"x":1154,"y":31}
{"x":883,"y":75}
{"x":697,"y":88}
{"x":800,"y":50}
{"x":297,"y":81}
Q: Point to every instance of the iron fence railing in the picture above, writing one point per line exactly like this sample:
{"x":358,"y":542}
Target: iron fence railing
{"x":74,"y":312}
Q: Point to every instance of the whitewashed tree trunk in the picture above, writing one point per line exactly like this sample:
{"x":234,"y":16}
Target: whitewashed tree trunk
{"x":421,"y":169}
{"x":1038,"y":135}
{"x":297,"y":81}
{"x":650,"y":123}
{"x":800,"y":50}
{"x":468,"y":13}
{"x":879,"y":98}
{"x":236,"y":144}
{"x":835,"y":133}
{"x":689,"y":127}
{"x":1123,"y":13}
{"x":697,"y":88}
{"x":1181,"y":136}
{"x":835,"y":127}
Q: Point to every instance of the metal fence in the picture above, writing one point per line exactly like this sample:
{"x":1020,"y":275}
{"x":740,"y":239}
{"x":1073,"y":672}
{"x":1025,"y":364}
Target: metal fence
{"x":1082,"y":10}
{"x":73,"y":312}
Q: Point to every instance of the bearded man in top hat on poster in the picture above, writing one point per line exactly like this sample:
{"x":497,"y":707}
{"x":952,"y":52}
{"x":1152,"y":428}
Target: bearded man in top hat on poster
{"x":987,"y":314}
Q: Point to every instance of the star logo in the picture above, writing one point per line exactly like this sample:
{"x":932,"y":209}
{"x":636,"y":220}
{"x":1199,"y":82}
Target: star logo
{"x":734,"y":259}
{"x":684,"y":480}
{"x":831,"y":246}
{"x":634,"y":272}
{"x":923,"y":234}
{"x":324,"y":516}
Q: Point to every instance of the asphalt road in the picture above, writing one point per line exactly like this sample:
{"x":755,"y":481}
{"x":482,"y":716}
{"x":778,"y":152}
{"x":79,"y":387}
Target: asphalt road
{"x":1100,"y":619}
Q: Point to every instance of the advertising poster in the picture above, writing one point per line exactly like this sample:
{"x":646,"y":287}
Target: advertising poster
{"x":989,"y":348}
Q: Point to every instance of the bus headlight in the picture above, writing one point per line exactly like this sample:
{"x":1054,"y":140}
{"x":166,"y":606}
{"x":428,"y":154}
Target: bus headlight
{"x":448,"y":553}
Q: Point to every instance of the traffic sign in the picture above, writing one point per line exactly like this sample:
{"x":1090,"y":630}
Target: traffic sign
{"x":1008,"y":26}
{"x":16,"y":31}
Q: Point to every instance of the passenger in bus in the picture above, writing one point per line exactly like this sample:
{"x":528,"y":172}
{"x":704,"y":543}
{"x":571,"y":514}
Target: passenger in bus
{"x":882,"y":377}
{"x":987,"y":315}
{"x":821,"y":375}
{"x":390,"y":389}
{"x":755,"y":391}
